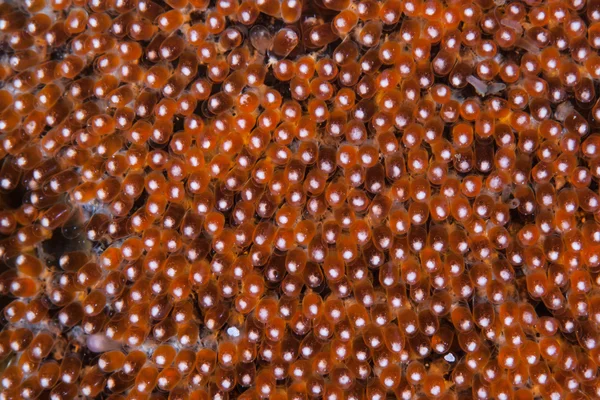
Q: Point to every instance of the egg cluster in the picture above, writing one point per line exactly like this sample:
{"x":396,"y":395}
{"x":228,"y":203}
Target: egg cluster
{"x":299,"y":199}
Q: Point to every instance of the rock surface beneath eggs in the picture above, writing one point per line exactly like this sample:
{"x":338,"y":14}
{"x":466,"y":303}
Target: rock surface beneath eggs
{"x":299,"y":199}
